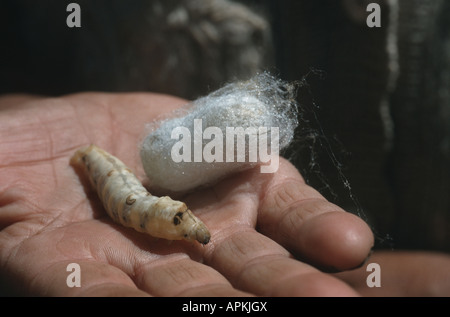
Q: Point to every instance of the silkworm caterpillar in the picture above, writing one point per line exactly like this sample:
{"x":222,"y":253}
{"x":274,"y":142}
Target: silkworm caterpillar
{"x":128,"y":202}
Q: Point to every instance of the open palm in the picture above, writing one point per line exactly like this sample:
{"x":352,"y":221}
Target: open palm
{"x":260,"y":224}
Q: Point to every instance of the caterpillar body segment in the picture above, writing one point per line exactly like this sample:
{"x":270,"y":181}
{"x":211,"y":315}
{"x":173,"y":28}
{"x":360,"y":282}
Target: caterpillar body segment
{"x":127,"y":202}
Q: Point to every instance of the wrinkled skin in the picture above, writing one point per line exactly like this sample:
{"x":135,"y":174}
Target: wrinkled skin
{"x":261,"y":224}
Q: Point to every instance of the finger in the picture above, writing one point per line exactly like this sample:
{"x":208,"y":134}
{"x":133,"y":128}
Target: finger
{"x":299,"y":218}
{"x":256,"y":264}
{"x":403,"y":274}
{"x":178,"y":275}
{"x":120,"y":267}
{"x":89,"y":279}
{"x":153,"y":265}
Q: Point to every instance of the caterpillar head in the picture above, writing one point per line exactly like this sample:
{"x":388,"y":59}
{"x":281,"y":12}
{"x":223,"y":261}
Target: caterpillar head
{"x":194,"y":228}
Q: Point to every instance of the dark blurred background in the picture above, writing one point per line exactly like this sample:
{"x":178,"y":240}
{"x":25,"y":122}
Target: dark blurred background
{"x":375,"y":121}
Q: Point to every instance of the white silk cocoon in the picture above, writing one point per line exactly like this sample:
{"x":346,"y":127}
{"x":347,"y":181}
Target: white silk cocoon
{"x":193,"y":147}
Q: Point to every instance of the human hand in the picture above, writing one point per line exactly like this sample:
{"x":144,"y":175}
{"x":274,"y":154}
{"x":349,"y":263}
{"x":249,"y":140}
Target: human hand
{"x":50,"y":218}
{"x":402,"y":273}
